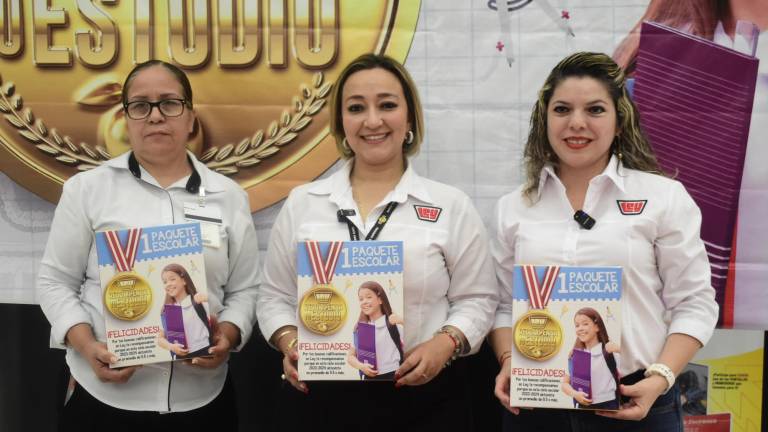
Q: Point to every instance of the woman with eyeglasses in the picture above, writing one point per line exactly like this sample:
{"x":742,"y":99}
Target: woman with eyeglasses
{"x":153,"y":184}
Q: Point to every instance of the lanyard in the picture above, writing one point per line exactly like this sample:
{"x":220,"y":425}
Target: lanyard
{"x":354,"y":233}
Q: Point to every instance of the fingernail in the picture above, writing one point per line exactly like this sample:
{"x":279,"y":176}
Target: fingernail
{"x":194,"y":361}
{"x":210,"y":350}
{"x":305,"y":389}
{"x":113,"y":359}
{"x":397,"y":375}
{"x":295,"y":376}
{"x":398,"y":384}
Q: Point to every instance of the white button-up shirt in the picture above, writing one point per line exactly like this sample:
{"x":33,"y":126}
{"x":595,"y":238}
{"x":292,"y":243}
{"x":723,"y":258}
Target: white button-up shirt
{"x":69,"y":292}
{"x":448,"y":273}
{"x":666,"y":277}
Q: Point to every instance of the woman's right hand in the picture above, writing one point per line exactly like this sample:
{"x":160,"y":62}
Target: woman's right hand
{"x":501,"y":390}
{"x":80,"y":337}
{"x":100,"y":358}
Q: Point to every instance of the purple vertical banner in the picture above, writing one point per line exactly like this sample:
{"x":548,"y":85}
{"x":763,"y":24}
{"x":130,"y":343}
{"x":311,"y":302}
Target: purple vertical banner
{"x":366,"y":344}
{"x":695,"y":101}
{"x":581,"y":372}
{"x":174,"y":325}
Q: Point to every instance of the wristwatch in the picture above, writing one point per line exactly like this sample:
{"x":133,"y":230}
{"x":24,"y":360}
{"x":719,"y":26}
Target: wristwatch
{"x":663,"y":371}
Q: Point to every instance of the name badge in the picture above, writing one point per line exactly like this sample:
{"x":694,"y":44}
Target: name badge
{"x":210,"y":220}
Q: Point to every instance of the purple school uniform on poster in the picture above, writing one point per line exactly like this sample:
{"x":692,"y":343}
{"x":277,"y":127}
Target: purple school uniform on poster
{"x":366,"y":344}
{"x":581,"y":372}
{"x":173,"y":320}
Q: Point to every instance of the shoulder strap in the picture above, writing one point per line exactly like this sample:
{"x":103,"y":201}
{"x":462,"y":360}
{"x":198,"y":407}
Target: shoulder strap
{"x":610,"y":360}
{"x":395,"y":334}
{"x":204,"y":318}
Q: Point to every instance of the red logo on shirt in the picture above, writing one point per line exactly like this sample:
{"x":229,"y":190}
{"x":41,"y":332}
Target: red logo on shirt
{"x":429,"y":214}
{"x":631,"y":207}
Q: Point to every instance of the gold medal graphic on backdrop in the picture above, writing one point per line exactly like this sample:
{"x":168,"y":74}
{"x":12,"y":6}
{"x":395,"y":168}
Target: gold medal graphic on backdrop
{"x":538,"y":335}
{"x":323,"y":310}
{"x":261,"y":74}
{"x":128,"y":296}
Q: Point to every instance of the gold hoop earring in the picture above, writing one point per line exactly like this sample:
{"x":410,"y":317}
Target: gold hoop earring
{"x":345,"y":145}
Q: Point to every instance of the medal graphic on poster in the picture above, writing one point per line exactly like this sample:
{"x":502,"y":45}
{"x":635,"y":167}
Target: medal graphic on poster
{"x":322,"y":309}
{"x":127,"y":295}
{"x":538,"y":334}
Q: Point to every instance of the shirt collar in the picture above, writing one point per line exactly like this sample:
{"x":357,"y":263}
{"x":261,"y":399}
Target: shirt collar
{"x":614,"y":171}
{"x":338,"y":187}
{"x":199,"y":177}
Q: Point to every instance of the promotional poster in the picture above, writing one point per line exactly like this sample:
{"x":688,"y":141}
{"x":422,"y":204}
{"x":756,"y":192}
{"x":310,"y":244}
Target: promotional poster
{"x":721,"y":388}
{"x":350,"y":310}
{"x":155,"y":295}
{"x":567,"y":337}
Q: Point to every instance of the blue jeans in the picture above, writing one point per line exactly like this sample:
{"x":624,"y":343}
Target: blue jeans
{"x":666,"y":415}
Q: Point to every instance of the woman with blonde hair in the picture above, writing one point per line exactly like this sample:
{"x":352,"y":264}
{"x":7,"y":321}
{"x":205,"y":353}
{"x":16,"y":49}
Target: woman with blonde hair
{"x":448,"y":285}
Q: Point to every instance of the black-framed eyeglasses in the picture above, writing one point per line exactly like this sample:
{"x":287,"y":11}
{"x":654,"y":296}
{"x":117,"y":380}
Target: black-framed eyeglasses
{"x":139,"y":110}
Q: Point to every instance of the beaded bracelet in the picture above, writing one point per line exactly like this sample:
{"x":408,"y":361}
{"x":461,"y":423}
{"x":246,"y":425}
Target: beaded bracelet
{"x":458,"y":346}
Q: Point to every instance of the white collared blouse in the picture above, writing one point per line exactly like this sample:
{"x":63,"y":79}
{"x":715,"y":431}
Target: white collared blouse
{"x":666,"y":277}
{"x":448,"y":274}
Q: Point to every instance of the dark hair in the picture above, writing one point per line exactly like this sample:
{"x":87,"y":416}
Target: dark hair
{"x":377,"y":61}
{"x":183,"y":274}
{"x":179,"y":74}
{"x":630,"y":140}
{"x":594,"y":316}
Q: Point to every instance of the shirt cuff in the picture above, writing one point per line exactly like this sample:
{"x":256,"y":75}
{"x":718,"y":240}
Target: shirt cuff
{"x":241,"y":321}
{"x":60,"y":329}
{"x":471,"y":332}
{"x":503,"y":319}
{"x":269,"y":327}
{"x":693,"y":328}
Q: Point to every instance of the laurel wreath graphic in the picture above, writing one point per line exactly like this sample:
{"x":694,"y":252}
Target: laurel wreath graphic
{"x":230,"y":158}
{"x":227,"y":160}
{"x":49,"y":141}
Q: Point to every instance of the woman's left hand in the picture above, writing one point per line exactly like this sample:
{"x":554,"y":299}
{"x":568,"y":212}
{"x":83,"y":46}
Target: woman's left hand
{"x":642,"y":396}
{"x":424,"y":362}
{"x":222,"y":344}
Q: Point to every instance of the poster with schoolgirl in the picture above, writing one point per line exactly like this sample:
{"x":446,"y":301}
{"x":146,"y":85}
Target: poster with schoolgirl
{"x":351,"y":324}
{"x":155,"y":297}
{"x":567,"y":335}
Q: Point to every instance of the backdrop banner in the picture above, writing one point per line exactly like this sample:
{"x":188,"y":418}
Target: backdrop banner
{"x":261,"y":73}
